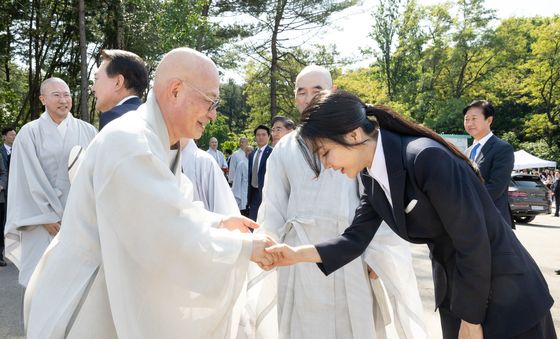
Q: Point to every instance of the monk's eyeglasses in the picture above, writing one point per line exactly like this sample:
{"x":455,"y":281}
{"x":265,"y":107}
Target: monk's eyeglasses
{"x":213,"y":103}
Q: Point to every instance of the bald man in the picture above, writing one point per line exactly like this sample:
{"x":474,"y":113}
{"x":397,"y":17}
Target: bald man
{"x":300,"y":208}
{"x":216,"y":154}
{"x":136,"y":257}
{"x":38,"y":182}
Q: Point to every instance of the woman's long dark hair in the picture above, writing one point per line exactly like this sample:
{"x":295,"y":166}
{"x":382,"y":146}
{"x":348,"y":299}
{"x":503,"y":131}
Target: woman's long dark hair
{"x":332,"y":115}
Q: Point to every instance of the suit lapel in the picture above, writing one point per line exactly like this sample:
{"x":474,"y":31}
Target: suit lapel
{"x":485,"y":149}
{"x":392,"y":147}
{"x":264,"y":156}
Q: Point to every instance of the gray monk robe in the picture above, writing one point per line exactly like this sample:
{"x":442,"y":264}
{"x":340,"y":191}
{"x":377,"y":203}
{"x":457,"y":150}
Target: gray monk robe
{"x":39,"y":186}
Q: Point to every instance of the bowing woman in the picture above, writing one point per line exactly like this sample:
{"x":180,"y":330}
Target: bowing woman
{"x":486,"y":283}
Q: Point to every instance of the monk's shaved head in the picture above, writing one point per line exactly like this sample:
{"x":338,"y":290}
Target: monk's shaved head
{"x":48,"y":82}
{"x":186,"y":85}
{"x":185,"y":64}
{"x":322,"y":75}
{"x":309,"y":82}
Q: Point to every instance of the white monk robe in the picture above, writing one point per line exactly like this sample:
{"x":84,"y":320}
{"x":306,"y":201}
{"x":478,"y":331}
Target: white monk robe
{"x":136,"y":257}
{"x":39,"y":186}
{"x":241,"y":182}
{"x":234,"y":160}
{"x":298,"y":209}
{"x":209,"y":183}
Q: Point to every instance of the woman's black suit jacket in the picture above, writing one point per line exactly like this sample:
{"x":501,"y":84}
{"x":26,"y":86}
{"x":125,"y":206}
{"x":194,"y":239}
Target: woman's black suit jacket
{"x":482,"y":273}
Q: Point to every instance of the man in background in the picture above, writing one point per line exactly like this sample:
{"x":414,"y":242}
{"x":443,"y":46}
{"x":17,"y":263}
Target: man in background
{"x":39,"y":184}
{"x":119,"y":83}
{"x":280,"y":127}
{"x":493,"y":156}
{"x":217,"y":154}
{"x":236,"y":157}
{"x":8,"y":137}
{"x":257,"y":170}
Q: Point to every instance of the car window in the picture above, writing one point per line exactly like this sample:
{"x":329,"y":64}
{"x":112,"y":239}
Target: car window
{"x":528,"y":183}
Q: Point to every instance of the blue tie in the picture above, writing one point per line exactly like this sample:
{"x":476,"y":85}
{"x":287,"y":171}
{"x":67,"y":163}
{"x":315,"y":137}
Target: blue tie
{"x":473,"y":151}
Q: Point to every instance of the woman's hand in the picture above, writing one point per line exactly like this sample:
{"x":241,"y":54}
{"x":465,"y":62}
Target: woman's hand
{"x":286,"y":255}
{"x":470,"y":331}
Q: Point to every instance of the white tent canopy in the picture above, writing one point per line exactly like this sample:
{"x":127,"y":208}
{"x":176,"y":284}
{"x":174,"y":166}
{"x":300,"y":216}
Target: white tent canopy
{"x":526,"y":160}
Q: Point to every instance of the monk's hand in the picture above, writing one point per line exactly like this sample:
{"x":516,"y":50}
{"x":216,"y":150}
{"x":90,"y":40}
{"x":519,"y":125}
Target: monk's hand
{"x":238,"y":222}
{"x":52,"y":228}
{"x":259,"y":255}
{"x":371,"y":273}
{"x":470,"y":331}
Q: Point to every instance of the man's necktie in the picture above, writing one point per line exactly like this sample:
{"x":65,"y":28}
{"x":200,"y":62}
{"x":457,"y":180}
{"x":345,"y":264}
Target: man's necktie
{"x":255,"y":170}
{"x":473,"y":151}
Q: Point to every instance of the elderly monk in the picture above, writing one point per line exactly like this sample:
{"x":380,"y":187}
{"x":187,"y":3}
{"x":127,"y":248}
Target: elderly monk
{"x":137,"y":258}
{"x":39,"y":182}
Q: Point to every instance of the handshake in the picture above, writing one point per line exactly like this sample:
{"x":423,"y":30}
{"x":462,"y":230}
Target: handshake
{"x":267,"y":253}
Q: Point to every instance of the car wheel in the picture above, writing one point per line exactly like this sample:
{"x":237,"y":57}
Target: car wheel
{"x":524,"y":220}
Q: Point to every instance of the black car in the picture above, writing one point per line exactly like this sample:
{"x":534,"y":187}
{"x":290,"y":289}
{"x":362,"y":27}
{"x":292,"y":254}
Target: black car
{"x":528,"y":197}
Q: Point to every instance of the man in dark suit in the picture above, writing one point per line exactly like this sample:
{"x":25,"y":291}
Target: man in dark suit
{"x":8,"y":137}
{"x":120,"y":81}
{"x":493,"y":156}
{"x":257,"y":170}
{"x":556,"y":191}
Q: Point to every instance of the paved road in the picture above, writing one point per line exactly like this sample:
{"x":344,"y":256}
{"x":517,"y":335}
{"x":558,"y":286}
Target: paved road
{"x":541,"y":238}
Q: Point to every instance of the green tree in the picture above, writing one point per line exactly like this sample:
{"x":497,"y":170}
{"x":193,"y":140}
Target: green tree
{"x":258,"y":91}
{"x":543,"y":81}
{"x":278,"y":22}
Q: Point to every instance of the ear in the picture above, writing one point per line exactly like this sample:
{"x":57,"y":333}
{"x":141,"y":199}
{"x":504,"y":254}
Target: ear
{"x":119,"y":83}
{"x":355,"y":136}
{"x":175,"y":87}
{"x":42,"y":99}
{"x":490,"y":120}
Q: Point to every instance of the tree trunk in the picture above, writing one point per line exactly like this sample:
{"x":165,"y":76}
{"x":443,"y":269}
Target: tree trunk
{"x":280,"y":5}
{"x":83,"y":62}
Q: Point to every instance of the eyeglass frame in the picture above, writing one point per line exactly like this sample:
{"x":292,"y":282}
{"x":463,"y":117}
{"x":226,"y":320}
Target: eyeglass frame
{"x":213,"y":103}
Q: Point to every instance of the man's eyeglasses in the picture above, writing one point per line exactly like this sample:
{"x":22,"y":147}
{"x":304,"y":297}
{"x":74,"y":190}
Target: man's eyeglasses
{"x":213,"y":103}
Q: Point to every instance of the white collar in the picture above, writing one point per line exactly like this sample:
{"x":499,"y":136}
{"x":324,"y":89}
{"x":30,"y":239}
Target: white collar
{"x":483,"y":140}
{"x":263,"y":148}
{"x":378,"y":168}
{"x":125,"y":99}
{"x":62,"y":126}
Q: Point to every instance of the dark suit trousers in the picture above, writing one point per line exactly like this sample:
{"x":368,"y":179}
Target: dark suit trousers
{"x":255,"y":203}
{"x":2,"y":224}
{"x":450,"y":324}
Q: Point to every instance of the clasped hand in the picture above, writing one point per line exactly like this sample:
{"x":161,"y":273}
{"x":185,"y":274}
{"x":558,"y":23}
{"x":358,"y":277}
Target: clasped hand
{"x":266,"y":252}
